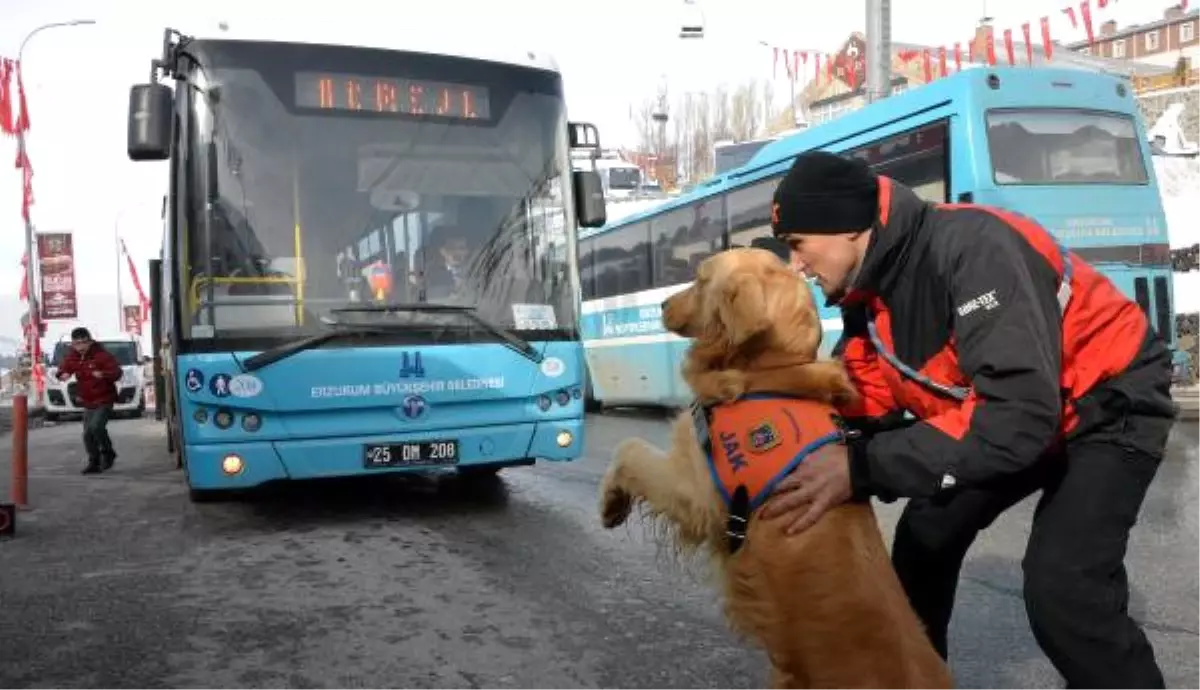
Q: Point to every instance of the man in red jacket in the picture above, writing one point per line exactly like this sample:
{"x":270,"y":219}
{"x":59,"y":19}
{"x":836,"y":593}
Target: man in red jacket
{"x":992,"y":364}
{"x":96,"y":374}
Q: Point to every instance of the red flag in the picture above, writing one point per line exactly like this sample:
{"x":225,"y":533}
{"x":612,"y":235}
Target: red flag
{"x":829,"y":67}
{"x":1047,"y":45}
{"x":1008,"y":47}
{"x":796,"y":63}
{"x":817,"y":67}
{"x":991,"y":48}
{"x":1070,"y":11}
{"x":942,"y":61}
{"x":22,"y":123}
{"x":1085,"y":11}
{"x":137,"y":284}
{"x":926,"y":65}
{"x":775,"y":64}
{"x":957,"y":57}
{"x":1028,"y":44}
{"x":6,"y":121}
{"x":23,"y":294}
{"x":1101,"y":4}
{"x":787,"y":65}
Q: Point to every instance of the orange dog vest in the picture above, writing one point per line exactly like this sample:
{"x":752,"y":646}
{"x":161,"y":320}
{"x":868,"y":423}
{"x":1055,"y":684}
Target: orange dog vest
{"x":755,"y":441}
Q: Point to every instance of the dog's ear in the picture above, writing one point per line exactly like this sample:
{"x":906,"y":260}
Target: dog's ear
{"x":742,"y":307}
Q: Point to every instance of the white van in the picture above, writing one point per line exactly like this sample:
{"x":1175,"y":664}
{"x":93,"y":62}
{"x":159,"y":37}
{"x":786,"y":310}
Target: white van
{"x":60,"y":397}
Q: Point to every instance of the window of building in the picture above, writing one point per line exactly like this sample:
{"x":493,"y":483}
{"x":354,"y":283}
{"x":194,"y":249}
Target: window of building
{"x":1187,"y":32}
{"x":1118,"y":48}
{"x":1152,"y":40}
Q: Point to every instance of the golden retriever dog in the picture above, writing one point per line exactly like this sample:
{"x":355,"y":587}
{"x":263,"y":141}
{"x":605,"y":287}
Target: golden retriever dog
{"x":825,"y":604}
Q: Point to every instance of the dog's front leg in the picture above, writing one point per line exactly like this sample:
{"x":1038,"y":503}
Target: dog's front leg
{"x":641,"y":472}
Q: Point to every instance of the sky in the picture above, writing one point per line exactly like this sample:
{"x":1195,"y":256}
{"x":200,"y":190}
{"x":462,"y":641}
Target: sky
{"x":612,"y":54}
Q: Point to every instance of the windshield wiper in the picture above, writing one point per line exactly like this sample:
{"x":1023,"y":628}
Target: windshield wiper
{"x":268,"y":357}
{"x":522,"y":346}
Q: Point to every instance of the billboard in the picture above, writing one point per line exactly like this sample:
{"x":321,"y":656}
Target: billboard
{"x":133,"y":319}
{"x":56,"y":266}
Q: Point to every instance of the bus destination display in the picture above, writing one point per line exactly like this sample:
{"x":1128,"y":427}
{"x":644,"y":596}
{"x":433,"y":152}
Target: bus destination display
{"x":325,"y":91}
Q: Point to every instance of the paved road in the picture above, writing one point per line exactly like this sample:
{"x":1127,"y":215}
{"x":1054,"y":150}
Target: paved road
{"x":118,"y":581}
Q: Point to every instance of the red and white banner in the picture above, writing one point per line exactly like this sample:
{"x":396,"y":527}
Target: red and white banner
{"x":56,"y":265}
{"x":850,"y":64}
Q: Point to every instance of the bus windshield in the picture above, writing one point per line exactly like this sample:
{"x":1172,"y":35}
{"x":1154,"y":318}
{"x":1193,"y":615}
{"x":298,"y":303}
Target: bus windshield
{"x":1061,"y":147}
{"x":336,"y":177}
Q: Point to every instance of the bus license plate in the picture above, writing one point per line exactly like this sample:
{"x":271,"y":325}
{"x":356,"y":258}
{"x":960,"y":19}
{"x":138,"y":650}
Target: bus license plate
{"x":415,"y":454}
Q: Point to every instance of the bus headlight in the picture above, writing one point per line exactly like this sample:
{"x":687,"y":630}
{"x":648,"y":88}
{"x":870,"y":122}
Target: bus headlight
{"x":251,"y":422}
{"x":200,"y":415}
{"x":232,"y":464}
{"x":564,"y":438}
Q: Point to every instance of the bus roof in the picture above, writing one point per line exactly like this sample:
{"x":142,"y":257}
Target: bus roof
{"x":919,"y":105}
{"x":388,"y":36}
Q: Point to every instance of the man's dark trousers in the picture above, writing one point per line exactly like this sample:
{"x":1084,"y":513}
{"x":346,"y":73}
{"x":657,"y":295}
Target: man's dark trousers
{"x":95,"y":436}
{"x":1076,"y":590}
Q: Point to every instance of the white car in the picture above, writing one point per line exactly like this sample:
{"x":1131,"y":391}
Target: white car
{"x":60,"y":399}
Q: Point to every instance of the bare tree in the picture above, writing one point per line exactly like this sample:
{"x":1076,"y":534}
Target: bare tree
{"x":700,"y":119}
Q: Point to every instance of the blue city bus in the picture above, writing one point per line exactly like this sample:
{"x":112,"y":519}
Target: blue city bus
{"x":368,"y":261}
{"x":1065,"y":147}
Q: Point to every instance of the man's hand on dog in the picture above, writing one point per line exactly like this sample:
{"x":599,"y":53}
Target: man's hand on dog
{"x":821,"y":482}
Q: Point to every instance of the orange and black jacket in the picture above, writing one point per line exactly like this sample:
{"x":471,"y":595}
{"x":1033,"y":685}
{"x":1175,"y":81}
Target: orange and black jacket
{"x":956,"y":320}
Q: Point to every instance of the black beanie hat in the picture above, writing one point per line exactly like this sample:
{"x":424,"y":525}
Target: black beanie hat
{"x":825,"y":194}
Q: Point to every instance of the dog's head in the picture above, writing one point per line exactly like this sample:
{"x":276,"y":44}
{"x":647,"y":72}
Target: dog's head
{"x":745,"y":302}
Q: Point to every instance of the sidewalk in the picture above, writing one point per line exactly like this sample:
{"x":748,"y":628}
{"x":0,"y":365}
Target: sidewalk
{"x":1188,"y":400}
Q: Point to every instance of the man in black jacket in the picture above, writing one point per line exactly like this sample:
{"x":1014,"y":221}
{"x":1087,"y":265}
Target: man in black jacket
{"x":1020,"y":369}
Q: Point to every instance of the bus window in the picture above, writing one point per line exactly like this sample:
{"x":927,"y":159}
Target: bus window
{"x":750,"y":212}
{"x":586,"y":271}
{"x":622,"y":261}
{"x":917,"y":159}
{"x":668,"y":232}
{"x":1045,"y":147}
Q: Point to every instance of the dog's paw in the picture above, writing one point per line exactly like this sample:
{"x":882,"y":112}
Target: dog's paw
{"x":615,"y":507}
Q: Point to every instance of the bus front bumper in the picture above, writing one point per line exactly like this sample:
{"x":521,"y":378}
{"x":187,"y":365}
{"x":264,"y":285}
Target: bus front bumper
{"x":243,"y":465}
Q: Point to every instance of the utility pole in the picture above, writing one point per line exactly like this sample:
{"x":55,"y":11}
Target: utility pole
{"x":879,"y":49}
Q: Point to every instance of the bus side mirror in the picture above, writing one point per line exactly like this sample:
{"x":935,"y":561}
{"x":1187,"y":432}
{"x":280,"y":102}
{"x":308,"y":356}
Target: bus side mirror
{"x":583,"y":135}
{"x":150,"y":114}
{"x":589,"y":199}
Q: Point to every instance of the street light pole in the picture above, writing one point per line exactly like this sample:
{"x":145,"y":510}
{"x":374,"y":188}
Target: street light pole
{"x":879,"y":49}
{"x":20,"y":462}
{"x":32,"y":298}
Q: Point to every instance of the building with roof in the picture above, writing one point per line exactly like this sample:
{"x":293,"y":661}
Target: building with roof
{"x":1163,"y":42}
{"x":825,"y":98}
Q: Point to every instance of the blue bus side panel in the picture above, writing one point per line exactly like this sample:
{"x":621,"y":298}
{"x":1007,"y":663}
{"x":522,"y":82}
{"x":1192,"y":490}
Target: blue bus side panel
{"x":318,"y":408}
{"x":633,"y":360}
